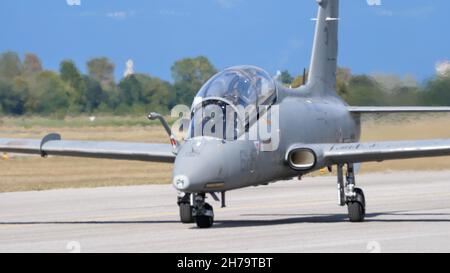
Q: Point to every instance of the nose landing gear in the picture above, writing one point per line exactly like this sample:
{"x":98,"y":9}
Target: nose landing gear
{"x":186,"y":210}
{"x":203,"y":212}
{"x":350,"y":195}
{"x":193,"y":208}
{"x":206,"y":217}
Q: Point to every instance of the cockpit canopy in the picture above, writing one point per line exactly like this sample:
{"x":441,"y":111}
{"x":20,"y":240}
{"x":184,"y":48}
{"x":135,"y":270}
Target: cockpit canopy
{"x":241,"y":85}
{"x":231,"y":101}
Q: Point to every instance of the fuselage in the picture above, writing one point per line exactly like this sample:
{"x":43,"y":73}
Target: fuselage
{"x":307,"y":115}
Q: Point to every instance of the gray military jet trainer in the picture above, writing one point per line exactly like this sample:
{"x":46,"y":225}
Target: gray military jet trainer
{"x":245,"y":129}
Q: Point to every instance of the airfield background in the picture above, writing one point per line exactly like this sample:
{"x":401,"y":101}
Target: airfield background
{"x":28,"y":88}
{"x":35,"y":101}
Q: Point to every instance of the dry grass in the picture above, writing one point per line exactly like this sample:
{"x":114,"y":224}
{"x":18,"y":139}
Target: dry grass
{"x":30,"y":173}
{"x":415,"y":127}
{"x":34,"y":173}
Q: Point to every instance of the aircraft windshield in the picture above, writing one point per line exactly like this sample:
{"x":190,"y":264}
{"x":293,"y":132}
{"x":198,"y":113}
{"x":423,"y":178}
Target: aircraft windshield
{"x":243,"y":85}
{"x":215,"y":111}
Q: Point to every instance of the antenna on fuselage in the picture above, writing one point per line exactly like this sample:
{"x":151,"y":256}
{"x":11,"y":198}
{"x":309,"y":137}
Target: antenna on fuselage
{"x":304,"y":76}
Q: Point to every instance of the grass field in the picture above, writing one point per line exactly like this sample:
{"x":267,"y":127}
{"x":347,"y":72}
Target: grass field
{"x":34,"y":173}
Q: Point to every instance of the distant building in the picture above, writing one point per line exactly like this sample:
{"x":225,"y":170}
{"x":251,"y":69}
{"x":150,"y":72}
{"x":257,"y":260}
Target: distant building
{"x":129,"y":68}
{"x":443,"y":68}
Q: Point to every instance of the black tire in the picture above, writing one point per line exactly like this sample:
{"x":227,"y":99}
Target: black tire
{"x":357,"y":207}
{"x":204,"y":221}
{"x":186,"y":213}
{"x":361,"y":198}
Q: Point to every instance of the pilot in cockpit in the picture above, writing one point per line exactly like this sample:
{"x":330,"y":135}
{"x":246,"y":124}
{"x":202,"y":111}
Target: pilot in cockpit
{"x":241,"y":91}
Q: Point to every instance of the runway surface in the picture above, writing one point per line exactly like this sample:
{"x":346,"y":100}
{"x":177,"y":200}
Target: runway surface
{"x":406,"y":212}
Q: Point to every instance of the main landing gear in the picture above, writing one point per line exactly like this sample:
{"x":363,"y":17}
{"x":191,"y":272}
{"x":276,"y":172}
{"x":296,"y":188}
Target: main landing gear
{"x":350,"y":195}
{"x":200,"y":212}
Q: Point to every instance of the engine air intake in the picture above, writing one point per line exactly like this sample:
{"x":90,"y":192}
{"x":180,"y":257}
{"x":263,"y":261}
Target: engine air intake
{"x":302,"y":159}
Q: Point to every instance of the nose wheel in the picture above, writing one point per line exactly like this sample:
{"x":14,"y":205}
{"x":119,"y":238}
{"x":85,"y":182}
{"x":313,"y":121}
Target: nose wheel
{"x":186,"y":210}
{"x":203,"y":212}
{"x":186,"y":216}
{"x":207,"y":219}
{"x":195,"y":210}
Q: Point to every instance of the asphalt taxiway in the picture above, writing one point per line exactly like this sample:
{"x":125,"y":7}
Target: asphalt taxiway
{"x":406,"y":212}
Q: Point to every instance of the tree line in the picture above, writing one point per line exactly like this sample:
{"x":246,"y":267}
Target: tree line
{"x":384,"y":90}
{"x":27,"y":88}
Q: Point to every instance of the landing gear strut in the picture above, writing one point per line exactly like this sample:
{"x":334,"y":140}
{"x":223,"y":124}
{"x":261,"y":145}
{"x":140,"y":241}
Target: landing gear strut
{"x":350,"y":195}
{"x":203,"y":212}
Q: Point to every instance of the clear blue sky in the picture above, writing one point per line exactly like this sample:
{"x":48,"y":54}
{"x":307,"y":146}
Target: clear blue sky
{"x":401,"y":37}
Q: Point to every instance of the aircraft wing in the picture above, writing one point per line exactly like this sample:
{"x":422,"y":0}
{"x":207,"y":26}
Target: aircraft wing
{"x":407,"y":109}
{"x":53,"y":145}
{"x":381,"y":151}
{"x":303,"y":157}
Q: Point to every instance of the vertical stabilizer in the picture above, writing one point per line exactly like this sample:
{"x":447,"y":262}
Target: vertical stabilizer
{"x":322,"y":71}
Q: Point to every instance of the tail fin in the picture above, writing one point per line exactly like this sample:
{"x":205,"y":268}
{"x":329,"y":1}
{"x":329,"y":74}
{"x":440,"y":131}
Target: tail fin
{"x":323,"y":66}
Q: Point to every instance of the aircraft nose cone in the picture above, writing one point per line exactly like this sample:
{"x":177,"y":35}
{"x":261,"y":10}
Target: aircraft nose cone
{"x":198,"y":163}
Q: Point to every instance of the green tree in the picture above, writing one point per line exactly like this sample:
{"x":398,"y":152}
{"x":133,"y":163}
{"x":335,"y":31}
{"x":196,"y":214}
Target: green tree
{"x":130,"y":90}
{"x":405,"y":96}
{"x":155,"y":93}
{"x":70,"y":74}
{"x":5,"y":96}
{"x":95,"y":96}
{"x":12,"y":97}
{"x":189,"y":75}
{"x":364,"y":91}
{"x":102,"y":69}
{"x":10,"y":65}
{"x":437,"y":92}
{"x":48,"y":95}
{"x":32,"y":65}
{"x":299,"y":81}
{"x":141,"y":92}
{"x":286,"y":78}
{"x":343,"y":76}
